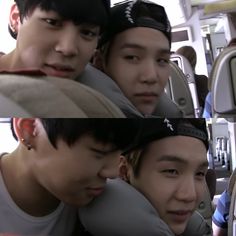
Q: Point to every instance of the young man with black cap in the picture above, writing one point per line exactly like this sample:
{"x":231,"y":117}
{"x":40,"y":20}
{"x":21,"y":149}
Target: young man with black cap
{"x":163,"y":183}
{"x":135,"y":50}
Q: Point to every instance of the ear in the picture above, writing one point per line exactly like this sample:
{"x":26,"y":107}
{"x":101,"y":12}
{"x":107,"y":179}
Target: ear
{"x":124,"y":169}
{"x":98,"y":60}
{"x":14,"y":18}
{"x":24,"y":129}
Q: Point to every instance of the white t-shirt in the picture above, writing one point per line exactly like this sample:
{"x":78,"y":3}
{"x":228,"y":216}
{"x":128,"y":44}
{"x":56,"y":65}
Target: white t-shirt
{"x":61,"y":222}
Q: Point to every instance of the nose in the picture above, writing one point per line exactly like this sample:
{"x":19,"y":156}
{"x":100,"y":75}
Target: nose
{"x":110,"y":169}
{"x":186,"y":190}
{"x":67,"y":42}
{"x":149,"y":73}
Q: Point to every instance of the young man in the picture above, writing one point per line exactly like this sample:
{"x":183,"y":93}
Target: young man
{"x":134,"y":51}
{"x":59,"y":165}
{"x":55,"y":37}
{"x":163,"y":183}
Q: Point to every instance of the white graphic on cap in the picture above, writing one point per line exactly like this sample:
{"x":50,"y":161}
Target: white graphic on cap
{"x":128,"y":11}
{"x":168,"y":124}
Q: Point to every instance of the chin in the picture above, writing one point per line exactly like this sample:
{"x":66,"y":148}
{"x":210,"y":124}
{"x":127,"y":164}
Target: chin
{"x":148,"y":111}
{"x":80,"y":202}
{"x":179,"y":229}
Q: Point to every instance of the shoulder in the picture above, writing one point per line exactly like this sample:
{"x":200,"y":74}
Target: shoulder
{"x":125,"y":211}
{"x":99,"y":81}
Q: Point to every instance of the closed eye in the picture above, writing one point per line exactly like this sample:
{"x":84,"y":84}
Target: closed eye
{"x":170,"y":172}
{"x":132,"y":58}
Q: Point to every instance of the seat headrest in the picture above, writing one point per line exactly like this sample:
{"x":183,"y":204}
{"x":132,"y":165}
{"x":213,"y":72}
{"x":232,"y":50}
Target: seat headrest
{"x":223,"y":84}
{"x":43,"y":96}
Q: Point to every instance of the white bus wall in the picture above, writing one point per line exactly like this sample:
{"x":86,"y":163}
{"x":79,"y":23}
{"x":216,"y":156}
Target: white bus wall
{"x":7,"y":141}
{"x":230,"y":26}
{"x":232,"y":134}
{"x":7,"y":43}
{"x":197,"y":42}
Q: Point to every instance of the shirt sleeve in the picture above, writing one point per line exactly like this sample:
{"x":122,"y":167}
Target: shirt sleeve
{"x":221,"y":214}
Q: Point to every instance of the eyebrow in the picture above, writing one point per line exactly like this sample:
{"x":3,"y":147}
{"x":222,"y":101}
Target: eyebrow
{"x":102,"y":152}
{"x":138,"y":46}
{"x":177,"y":159}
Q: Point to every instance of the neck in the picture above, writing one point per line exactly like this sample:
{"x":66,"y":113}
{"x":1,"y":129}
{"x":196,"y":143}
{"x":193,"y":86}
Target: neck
{"x":22,"y":184}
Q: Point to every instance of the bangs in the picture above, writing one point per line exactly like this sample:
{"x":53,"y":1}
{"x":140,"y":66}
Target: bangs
{"x":93,"y":12}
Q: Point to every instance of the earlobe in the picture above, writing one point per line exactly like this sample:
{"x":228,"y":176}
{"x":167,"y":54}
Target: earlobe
{"x":123,"y":169}
{"x":14,"y":19}
{"x":98,"y":60}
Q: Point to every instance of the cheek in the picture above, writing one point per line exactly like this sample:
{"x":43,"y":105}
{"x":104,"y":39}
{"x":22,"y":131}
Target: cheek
{"x":164,"y":76}
{"x":86,"y":51}
{"x":32,"y":56}
{"x":201,"y":190}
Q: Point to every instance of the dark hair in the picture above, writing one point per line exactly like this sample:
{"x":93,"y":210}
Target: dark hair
{"x":190,"y":53}
{"x":79,"y":11}
{"x":118,"y":132}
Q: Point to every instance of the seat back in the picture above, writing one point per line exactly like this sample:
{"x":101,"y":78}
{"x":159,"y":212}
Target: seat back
{"x":223,"y":84}
{"x":185,"y":66}
{"x":178,"y":90}
{"x":8,"y":106}
{"x":205,"y":207}
{"x":43,"y":96}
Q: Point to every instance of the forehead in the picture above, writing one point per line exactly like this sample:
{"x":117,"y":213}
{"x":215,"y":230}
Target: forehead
{"x":143,"y":36}
{"x":182,"y":149}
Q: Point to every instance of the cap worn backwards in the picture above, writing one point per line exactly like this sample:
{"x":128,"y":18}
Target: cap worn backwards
{"x":136,"y":13}
{"x":154,"y":129}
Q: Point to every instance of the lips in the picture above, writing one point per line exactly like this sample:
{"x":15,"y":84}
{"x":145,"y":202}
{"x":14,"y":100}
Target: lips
{"x":180,"y":216}
{"x":95,"y":191}
{"x":59,"y":70}
{"x":147,"y":96}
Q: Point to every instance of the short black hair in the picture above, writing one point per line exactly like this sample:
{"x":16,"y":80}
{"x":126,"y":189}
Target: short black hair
{"x":118,"y":132}
{"x":79,"y":11}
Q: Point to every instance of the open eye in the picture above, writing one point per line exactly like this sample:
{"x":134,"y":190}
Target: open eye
{"x":201,"y":175}
{"x":53,"y":22}
{"x":163,"y":61}
{"x":88,"y":33}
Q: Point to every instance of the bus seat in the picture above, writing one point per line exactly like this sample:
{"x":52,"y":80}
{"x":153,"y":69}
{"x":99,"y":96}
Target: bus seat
{"x":177,"y":89}
{"x":8,"y":106}
{"x":44,"y":96}
{"x":223,"y":84}
{"x":92,"y":102}
{"x":206,"y":208}
{"x":186,"y":68}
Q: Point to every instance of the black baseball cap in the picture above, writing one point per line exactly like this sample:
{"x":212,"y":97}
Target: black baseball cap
{"x":136,"y":13}
{"x":158,"y":128}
